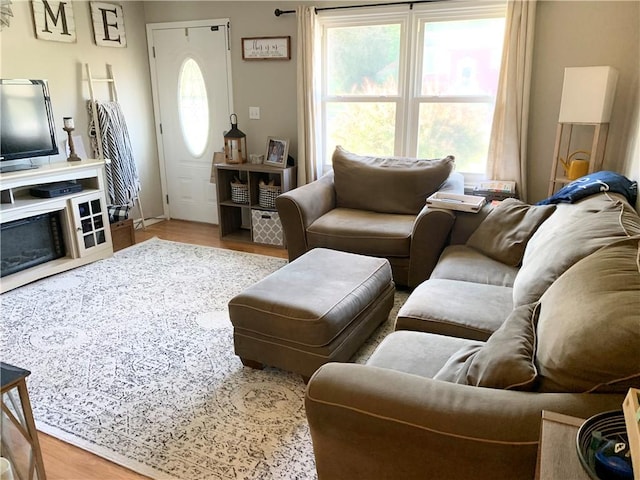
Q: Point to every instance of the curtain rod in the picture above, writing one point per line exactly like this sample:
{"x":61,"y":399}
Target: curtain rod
{"x":279,"y":12}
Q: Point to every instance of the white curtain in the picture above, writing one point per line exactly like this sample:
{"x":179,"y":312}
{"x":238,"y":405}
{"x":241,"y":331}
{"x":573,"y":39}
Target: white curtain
{"x":309,"y":166}
{"x":508,"y":144}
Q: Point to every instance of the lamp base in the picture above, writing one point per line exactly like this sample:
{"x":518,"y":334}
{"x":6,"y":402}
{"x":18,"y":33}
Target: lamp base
{"x":72,"y":151}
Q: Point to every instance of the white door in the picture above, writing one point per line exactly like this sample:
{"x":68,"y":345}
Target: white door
{"x":191,"y":82}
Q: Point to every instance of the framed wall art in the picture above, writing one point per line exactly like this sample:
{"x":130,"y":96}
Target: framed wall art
{"x":108,"y":24}
{"x":266,"y":48}
{"x":54,"y":20}
{"x":277,"y":152}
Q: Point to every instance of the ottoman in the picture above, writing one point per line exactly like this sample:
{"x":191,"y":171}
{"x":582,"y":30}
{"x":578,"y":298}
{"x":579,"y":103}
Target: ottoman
{"x":319,"y":308}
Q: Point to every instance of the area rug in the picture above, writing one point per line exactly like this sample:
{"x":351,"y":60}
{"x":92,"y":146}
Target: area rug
{"x":132,"y":359}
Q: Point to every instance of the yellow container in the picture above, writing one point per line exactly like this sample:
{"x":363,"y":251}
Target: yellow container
{"x":577,"y":169}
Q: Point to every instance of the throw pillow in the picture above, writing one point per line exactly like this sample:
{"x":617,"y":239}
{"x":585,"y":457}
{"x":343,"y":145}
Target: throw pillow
{"x":455,"y":368}
{"x":117,"y":212}
{"x":589,"y":324}
{"x":505,"y":361}
{"x":387,"y":184}
{"x":504,"y":233}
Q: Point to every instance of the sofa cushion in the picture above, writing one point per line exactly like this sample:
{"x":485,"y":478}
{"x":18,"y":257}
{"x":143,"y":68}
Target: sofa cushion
{"x":460,"y":309}
{"x":454,"y":262}
{"x":387,"y":184}
{"x":505,"y":361}
{"x":417,"y":353}
{"x":364,"y":232}
{"x":589,"y":324}
{"x":504,"y":233}
{"x":571,"y":233}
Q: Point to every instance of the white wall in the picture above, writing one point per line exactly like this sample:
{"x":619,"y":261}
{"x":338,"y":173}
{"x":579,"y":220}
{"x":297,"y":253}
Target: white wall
{"x":576,"y":34}
{"x":62,"y":64}
{"x":632,"y":155}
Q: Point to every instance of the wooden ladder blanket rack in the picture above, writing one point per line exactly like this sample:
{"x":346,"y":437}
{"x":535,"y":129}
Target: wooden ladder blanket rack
{"x":113,"y":96}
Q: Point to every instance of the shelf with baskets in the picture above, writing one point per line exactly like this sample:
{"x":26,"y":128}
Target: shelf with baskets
{"x":246,"y":201}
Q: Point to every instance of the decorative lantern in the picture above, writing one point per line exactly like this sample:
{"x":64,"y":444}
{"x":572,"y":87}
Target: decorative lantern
{"x":235,"y":143}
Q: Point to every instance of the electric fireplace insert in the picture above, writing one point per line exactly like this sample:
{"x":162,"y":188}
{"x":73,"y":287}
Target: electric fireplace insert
{"x":31,"y":241}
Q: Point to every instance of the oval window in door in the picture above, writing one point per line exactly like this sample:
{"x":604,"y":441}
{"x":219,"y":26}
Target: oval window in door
{"x":193,"y":106}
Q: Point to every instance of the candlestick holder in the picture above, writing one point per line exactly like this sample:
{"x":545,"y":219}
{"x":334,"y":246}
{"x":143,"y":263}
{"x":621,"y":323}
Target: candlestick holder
{"x":69,"y":127}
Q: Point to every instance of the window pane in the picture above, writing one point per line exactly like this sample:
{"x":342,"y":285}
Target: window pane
{"x":459,"y":129}
{"x":95,"y":206}
{"x":462,"y":57}
{"x":363,"y":128}
{"x":89,"y":241}
{"x":363,"y":60}
{"x":193,"y":106}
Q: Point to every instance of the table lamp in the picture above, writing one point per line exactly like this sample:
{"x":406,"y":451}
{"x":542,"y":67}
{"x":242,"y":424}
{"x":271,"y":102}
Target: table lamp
{"x":587,"y":98}
{"x":587,"y":94}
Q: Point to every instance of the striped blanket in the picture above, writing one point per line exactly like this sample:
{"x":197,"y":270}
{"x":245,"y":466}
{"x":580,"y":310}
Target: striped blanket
{"x":123,"y":183}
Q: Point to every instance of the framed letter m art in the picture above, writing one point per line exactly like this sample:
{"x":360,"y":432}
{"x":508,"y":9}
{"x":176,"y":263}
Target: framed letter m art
{"x":108,"y":24}
{"x":54,"y":20}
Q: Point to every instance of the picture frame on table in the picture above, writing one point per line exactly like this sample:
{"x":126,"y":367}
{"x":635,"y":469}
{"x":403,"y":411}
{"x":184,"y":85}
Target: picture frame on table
{"x":277,"y":152}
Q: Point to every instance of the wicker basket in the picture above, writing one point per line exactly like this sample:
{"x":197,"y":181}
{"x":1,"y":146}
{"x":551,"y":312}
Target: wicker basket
{"x":239,"y":193}
{"x":267,"y":195}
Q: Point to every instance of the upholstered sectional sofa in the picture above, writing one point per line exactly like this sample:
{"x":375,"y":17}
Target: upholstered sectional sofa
{"x":529,"y":308}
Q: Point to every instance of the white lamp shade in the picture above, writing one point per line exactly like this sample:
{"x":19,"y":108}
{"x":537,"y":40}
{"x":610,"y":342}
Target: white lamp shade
{"x":587,"y":94}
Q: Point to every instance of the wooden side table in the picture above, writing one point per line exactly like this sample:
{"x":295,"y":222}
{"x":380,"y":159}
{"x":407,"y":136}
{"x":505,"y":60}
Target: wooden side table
{"x":557,"y":451}
{"x":18,"y":425}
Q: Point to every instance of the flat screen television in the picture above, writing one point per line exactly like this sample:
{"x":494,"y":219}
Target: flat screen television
{"x":27,"y":129}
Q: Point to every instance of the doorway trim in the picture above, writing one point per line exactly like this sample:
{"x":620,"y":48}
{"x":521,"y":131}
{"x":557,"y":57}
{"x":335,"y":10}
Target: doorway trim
{"x":151,"y":27}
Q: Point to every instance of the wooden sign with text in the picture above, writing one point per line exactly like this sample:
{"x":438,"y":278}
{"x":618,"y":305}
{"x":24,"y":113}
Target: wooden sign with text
{"x":54,"y":21}
{"x":108,"y":24}
{"x":266,"y":48}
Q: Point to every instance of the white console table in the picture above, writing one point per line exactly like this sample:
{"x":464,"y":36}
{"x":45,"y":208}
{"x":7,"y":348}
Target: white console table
{"x":85,"y":221}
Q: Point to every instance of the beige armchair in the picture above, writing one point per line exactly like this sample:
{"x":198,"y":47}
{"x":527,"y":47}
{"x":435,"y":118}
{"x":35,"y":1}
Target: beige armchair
{"x":377,"y":207}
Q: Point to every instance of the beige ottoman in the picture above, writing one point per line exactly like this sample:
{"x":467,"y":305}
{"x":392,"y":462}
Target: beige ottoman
{"x":319,"y":308}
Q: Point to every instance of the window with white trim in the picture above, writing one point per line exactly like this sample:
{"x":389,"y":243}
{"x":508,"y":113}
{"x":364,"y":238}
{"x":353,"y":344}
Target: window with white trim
{"x":415,"y":82}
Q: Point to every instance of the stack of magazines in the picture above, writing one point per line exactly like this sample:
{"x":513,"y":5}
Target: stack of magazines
{"x":495,"y":190}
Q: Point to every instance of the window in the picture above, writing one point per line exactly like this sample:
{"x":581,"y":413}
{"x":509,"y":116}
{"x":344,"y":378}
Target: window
{"x":419,"y":83}
{"x":193,"y":107}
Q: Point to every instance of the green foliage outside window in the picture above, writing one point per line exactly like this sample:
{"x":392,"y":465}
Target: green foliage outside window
{"x":459,"y":129}
{"x":364,"y":128}
{"x":363,"y":56}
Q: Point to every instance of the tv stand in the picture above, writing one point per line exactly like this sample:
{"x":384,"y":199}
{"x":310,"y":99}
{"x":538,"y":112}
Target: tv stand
{"x":17,"y":168}
{"x":85,"y":221}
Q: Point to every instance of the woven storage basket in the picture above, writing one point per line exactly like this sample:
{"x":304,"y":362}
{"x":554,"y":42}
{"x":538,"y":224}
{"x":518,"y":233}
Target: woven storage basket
{"x":239,"y":193}
{"x":267,"y":195}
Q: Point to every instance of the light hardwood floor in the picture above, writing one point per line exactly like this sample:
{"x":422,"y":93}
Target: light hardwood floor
{"x":66,"y":462}
{"x":202,"y":234}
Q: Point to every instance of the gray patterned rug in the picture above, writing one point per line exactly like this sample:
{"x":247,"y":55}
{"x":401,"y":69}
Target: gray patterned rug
{"x":132,"y":359}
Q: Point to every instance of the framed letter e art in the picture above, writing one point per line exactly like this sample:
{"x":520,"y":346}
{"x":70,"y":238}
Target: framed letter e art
{"x":108,"y":24}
